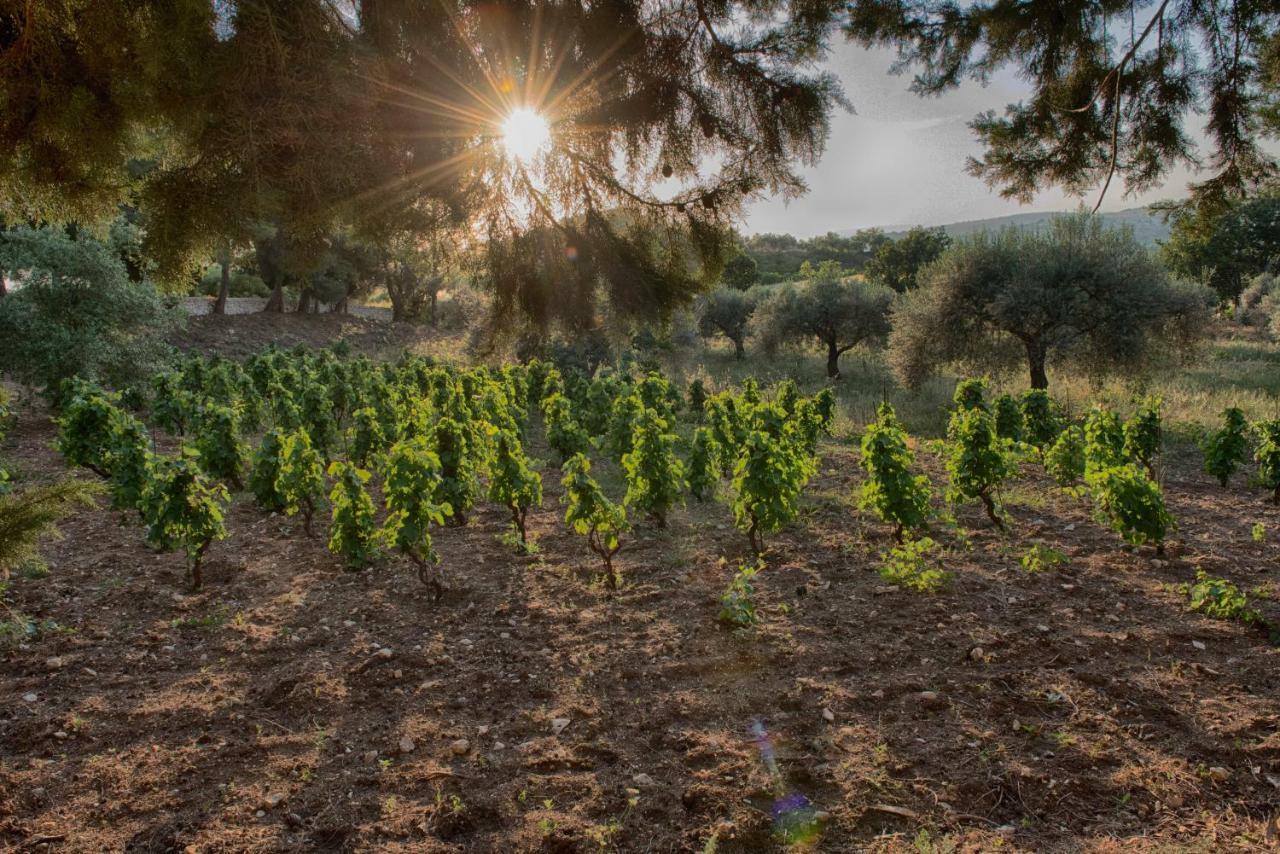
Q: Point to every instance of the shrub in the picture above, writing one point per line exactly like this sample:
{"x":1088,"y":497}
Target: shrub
{"x":182,"y":508}
{"x":565,"y":436}
{"x":593,"y":515}
{"x":655,"y":475}
{"x":1041,"y":423}
{"x":352,"y":533}
{"x":458,"y":478}
{"x":84,"y":429}
{"x":970,"y":393}
{"x":891,"y":490}
{"x":1221,"y":600}
{"x":697,"y":397}
{"x":767,"y":481}
{"x":300,"y":477}
{"x":703,"y":464}
{"x":1064,"y":461}
{"x":365,"y":437}
{"x":1130,"y":503}
{"x":1009,"y":423}
{"x":1224,"y":449}
{"x":172,"y":406}
{"x":1143,"y":435}
{"x":908,"y":566}
{"x":218,"y":441}
{"x":1267,"y":456}
{"x":411,"y":482}
{"x":33,"y":515}
{"x":128,"y":453}
{"x":1040,"y":557}
{"x":77,"y":313}
{"x":265,"y":472}
{"x":624,"y":413}
{"x":512,"y":483}
{"x":977,"y":462}
{"x":1103,"y":440}
{"x":737,"y":608}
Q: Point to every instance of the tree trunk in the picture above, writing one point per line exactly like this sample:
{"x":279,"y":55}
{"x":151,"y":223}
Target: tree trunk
{"x":435,"y":300}
{"x":1035,"y":362}
{"x":304,"y":301}
{"x":833,"y":361}
{"x":738,"y":350}
{"x":224,"y":285}
{"x":275,"y":302}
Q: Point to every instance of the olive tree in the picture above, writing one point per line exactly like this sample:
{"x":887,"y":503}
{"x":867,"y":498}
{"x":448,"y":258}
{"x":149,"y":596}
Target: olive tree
{"x":833,"y":311}
{"x":1076,"y":293}
{"x":727,"y":312}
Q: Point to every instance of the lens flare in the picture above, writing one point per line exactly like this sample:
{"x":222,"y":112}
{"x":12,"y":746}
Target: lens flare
{"x":797,"y":822}
{"x":525,"y":134}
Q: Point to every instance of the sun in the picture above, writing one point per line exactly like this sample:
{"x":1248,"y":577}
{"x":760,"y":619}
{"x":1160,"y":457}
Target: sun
{"x":525,"y":133}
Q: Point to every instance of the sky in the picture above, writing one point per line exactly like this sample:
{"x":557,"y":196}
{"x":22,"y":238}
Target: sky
{"x":899,"y":161}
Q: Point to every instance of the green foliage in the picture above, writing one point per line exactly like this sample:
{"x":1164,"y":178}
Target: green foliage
{"x":897,"y":263}
{"x":891,"y":490}
{"x":655,"y":475}
{"x":77,"y":313}
{"x":1258,"y":533}
{"x":908,"y":565}
{"x":1143,"y":436}
{"x":365,"y":437}
{"x":737,"y":607}
{"x":317,"y":417}
{"x":728,"y":427}
{"x":1225,"y":448}
{"x":299,"y":480}
{"x":128,"y":454}
{"x":592,"y":514}
{"x":1041,"y":422}
{"x":740,"y":272}
{"x":1040,"y":557}
{"x":1129,"y":503}
{"x":459,"y":483}
{"x":768,"y":478}
{"x":1078,"y":294}
{"x":1225,"y":243}
{"x":1065,"y":460}
{"x":727,"y":312}
{"x":265,"y":472}
{"x":1267,"y":456}
{"x":1221,"y":600}
{"x":411,"y":483}
{"x":565,"y":436}
{"x":512,"y":483}
{"x":827,"y":310}
{"x":217,"y":439}
{"x":978,"y":461}
{"x":1104,"y":445}
{"x":1009,"y":423}
{"x":824,"y":404}
{"x":623,"y":414}
{"x":32,"y":515}
{"x":971,"y":393}
{"x":352,"y":533}
{"x":182,"y":508}
{"x":84,"y":428}
{"x":172,"y":406}
{"x":703,"y":464}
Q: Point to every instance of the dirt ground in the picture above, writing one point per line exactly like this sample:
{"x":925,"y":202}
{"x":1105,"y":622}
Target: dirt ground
{"x":295,"y":706}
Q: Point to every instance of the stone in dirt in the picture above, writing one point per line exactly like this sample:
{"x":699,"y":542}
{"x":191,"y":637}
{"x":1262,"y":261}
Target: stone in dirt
{"x":642,"y":780}
{"x":407,"y":745}
{"x":558,"y":725}
{"x":461,"y":747}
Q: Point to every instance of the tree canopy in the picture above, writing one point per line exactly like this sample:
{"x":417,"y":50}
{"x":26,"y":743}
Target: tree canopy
{"x":244,"y":109}
{"x":830,"y":309}
{"x":1225,"y":245}
{"x":897,"y":263}
{"x":1113,"y":84}
{"x":1077,"y":292}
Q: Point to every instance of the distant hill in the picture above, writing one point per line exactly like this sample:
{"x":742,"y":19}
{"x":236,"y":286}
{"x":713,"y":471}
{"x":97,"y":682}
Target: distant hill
{"x":1148,"y":228}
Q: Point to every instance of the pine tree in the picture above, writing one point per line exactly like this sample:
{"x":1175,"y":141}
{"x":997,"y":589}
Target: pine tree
{"x":32,"y":515}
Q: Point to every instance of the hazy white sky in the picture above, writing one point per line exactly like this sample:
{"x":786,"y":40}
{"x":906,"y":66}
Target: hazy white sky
{"x":900,"y":159}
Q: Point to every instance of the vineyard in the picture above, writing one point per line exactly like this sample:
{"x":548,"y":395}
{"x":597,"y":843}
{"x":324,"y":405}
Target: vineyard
{"x":643,"y":614}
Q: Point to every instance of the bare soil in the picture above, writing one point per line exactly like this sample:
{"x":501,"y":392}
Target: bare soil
{"x":296,"y":706}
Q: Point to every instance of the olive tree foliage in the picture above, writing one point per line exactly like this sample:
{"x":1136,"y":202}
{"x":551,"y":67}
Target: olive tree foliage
{"x":829,"y":310}
{"x":75,"y":311}
{"x":1077,"y":293}
{"x":897,"y":263}
{"x":727,"y":312}
{"x":665,"y":119}
{"x":1112,"y":86}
